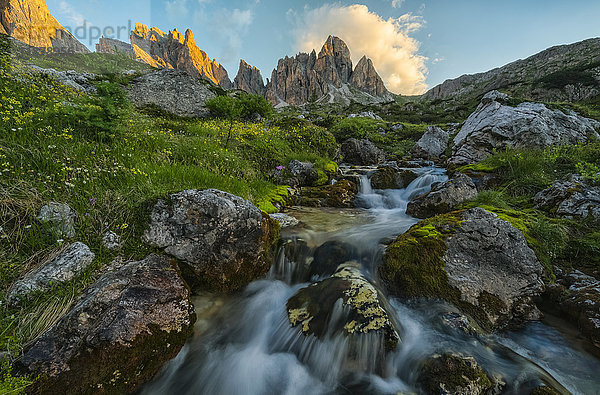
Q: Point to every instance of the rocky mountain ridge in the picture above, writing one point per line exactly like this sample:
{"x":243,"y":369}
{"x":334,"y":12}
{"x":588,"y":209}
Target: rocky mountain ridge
{"x":561,"y":73}
{"x":30,"y":22}
{"x":327,"y":77}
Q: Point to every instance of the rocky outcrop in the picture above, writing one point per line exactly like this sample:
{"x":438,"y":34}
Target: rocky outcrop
{"x":366,"y":79}
{"x":454,"y":374}
{"x":432,"y":145}
{"x":495,"y":126}
{"x":561,"y":73}
{"x":112,"y":46}
{"x":285,"y":220}
{"x":571,"y":198}
{"x":576,"y":297}
{"x":176,"y":51}
{"x":222,"y":241}
{"x":472,"y":259}
{"x":249,"y":79}
{"x":172,"y":91}
{"x":361,"y":153}
{"x":443,"y":197}
{"x":312,"y":308}
{"x":141,"y":314}
{"x":341,"y":194}
{"x":59,"y":218}
{"x":30,"y":21}
{"x":82,"y":82}
{"x":69,"y":263}
{"x":327,"y":77}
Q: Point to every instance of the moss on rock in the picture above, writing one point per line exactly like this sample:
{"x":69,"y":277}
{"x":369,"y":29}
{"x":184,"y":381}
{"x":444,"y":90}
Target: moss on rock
{"x":341,"y":194}
{"x":454,"y":374}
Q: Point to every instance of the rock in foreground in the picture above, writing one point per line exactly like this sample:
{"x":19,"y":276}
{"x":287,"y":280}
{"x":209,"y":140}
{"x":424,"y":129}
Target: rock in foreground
{"x":472,"y":259}
{"x":222,"y":241}
{"x":60,"y":218}
{"x":119,"y":334}
{"x":454,"y":374}
{"x":312,"y":307}
{"x":571,"y":198}
{"x":443,"y":197}
{"x":432,"y":144}
{"x":362,"y":153}
{"x":497,"y":126}
{"x":341,"y":194}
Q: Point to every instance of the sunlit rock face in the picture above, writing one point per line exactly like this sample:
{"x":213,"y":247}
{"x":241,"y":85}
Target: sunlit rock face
{"x":174,"y":50}
{"x":249,"y":79}
{"x":30,"y":21}
{"x":328,"y":77}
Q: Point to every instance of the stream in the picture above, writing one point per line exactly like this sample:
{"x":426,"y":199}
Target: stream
{"x":244,"y":343}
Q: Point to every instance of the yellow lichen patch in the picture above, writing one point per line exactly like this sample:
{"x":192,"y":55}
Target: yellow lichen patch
{"x":300,"y":315}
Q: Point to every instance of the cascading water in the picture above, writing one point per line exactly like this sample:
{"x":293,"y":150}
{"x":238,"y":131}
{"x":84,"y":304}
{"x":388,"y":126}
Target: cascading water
{"x":247,"y":346}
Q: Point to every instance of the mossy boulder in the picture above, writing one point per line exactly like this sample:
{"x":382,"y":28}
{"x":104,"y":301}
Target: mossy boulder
{"x":341,"y":194}
{"x":118,"y":335}
{"x":312,"y":308}
{"x":454,"y":374}
{"x":222,"y":242}
{"x":472,"y":259}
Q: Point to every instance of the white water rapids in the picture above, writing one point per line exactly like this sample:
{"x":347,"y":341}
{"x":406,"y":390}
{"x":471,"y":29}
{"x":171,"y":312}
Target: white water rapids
{"x":245,"y":344}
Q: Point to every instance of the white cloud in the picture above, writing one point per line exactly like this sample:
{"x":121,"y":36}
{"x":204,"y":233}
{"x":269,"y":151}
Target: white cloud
{"x":397,"y":3}
{"x":72,"y":16}
{"x":386,"y":42}
{"x":176,"y":10}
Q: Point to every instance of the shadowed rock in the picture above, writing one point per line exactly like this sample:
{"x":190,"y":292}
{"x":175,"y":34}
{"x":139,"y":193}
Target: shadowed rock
{"x":443,"y":197}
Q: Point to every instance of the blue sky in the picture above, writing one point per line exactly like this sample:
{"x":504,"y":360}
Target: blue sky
{"x":415,"y":44}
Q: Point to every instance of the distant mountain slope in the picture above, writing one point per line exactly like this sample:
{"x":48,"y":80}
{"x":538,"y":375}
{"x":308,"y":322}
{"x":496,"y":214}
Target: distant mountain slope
{"x":561,"y":73}
{"x":328,"y":77}
{"x":30,"y":22}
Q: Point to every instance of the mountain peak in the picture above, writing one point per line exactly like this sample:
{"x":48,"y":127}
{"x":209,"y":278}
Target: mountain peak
{"x":189,"y":37}
{"x":30,"y":21}
{"x":249,"y":79}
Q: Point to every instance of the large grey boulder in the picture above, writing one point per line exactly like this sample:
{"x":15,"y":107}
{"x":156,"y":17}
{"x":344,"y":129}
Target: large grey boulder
{"x":361,"y":153}
{"x":497,"y":126}
{"x":175,"y":92}
{"x":68,"y":264}
{"x":571,"y":198}
{"x":472,"y":259}
{"x":443,"y":197}
{"x":432,"y":144}
{"x":60,"y":218}
{"x":222,"y":241}
{"x":304,"y":172}
{"x":118,"y":334}
{"x":360,"y":309}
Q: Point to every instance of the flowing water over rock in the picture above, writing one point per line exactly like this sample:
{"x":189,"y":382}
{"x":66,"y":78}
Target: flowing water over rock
{"x":245,"y":344}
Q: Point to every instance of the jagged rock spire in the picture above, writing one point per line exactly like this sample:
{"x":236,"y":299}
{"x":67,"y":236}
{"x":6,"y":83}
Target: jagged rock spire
{"x":249,"y":79}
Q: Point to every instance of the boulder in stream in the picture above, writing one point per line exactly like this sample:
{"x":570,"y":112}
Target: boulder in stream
{"x":312,"y":308}
{"x":455,"y":374}
{"x":361,"y":152}
{"x":390,"y":178}
{"x":443,"y":197}
{"x":118,"y":334}
{"x":341,"y":194}
{"x":222,"y":241}
{"x":472,"y":259}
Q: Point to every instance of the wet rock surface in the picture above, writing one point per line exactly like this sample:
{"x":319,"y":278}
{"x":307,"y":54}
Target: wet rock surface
{"x":285,"y":220}
{"x":454,"y":374}
{"x":497,"y":126}
{"x":443,"y":197}
{"x":571,"y":198}
{"x":361,"y":153}
{"x":576,"y":297}
{"x":222,"y":241}
{"x":69,"y":263}
{"x":312,"y":308}
{"x":329,"y":256}
{"x":341,"y":194}
{"x":472,"y":259}
{"x":140,"y":314}
{"x":392,"y":178}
